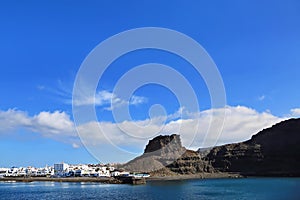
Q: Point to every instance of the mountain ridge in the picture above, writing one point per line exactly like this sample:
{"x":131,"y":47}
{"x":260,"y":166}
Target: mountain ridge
{"x":274,"y":151}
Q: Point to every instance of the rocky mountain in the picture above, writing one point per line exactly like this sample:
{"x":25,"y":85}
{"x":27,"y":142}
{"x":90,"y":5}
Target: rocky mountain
{"x":165,"y":154}
{"x":274,"y":151}
{"x":163,"y":145}
{"x":204,"y":151}
{"x":159,"y":152}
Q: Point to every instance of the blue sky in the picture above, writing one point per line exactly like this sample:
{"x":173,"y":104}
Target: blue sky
{"x":255,"y":45}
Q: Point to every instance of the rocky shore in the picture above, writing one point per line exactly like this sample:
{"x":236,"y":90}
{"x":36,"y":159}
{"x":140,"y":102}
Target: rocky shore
{"x":195,"y":176}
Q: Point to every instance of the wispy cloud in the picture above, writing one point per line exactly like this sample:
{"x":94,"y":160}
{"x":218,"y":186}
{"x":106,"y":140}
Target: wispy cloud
{"x":40,"y":87}
{"x":108,"y":100}
{"x":262,"y":97}
{"x":103,"y":98}
{"x":135,"y":100}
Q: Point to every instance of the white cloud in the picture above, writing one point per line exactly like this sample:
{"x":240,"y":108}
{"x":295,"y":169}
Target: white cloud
{"x":56,"y":125}
{"x":108,"y":99}
{"x":240,"y":124}
{"x":12,"y":118}
{"x":295,"y":112}
{"x":135,"y":100}
{"x":75,"y":145}
{"x":101,"y":98}
{"x":49,"y":123}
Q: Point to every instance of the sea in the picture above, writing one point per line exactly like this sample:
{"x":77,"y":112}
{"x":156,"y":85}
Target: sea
{"x":242,"y":188}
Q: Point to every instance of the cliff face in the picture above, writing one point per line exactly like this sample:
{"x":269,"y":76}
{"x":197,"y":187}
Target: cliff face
{"x":159,"y":152}
{"x":190,"y":163}
{"x":167,"y":153}
{"x":164,"y":144}
{"x":273,"y":151}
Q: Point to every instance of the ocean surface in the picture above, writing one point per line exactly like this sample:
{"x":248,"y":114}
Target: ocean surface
{"x":248,"y":188}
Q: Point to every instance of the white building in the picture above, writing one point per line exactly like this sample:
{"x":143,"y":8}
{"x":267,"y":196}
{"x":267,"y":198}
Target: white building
{"x":120,"y":173}
{"x":115,"y":173}
{"x":104,"y":172}
{"x":61,"y":169}
{"x":3,"y":172}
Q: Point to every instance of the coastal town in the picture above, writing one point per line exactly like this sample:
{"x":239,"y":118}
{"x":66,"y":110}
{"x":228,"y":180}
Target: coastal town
{"x":64,"y":170}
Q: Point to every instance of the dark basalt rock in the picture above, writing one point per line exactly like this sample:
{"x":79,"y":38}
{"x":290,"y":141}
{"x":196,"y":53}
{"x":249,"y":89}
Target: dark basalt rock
{"x":167,"y":152}
{"x":167,"y":143}
{"x":272,"y":152}
{"x":190,"y":163}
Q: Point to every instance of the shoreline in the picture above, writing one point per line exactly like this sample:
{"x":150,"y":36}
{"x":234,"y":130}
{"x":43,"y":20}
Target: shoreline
{"x":195,"y":176}
{"x":112,"y":180}
{"x":108,"y":180}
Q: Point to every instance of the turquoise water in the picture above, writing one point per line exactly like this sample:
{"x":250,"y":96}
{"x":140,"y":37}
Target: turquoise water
{"x":250,"y":188}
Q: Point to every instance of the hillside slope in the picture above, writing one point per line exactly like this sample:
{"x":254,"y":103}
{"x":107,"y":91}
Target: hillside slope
{"x":274,"y":151}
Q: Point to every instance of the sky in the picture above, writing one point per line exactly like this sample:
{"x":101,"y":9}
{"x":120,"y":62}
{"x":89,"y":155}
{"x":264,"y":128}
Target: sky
{"x":254,"y":44}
